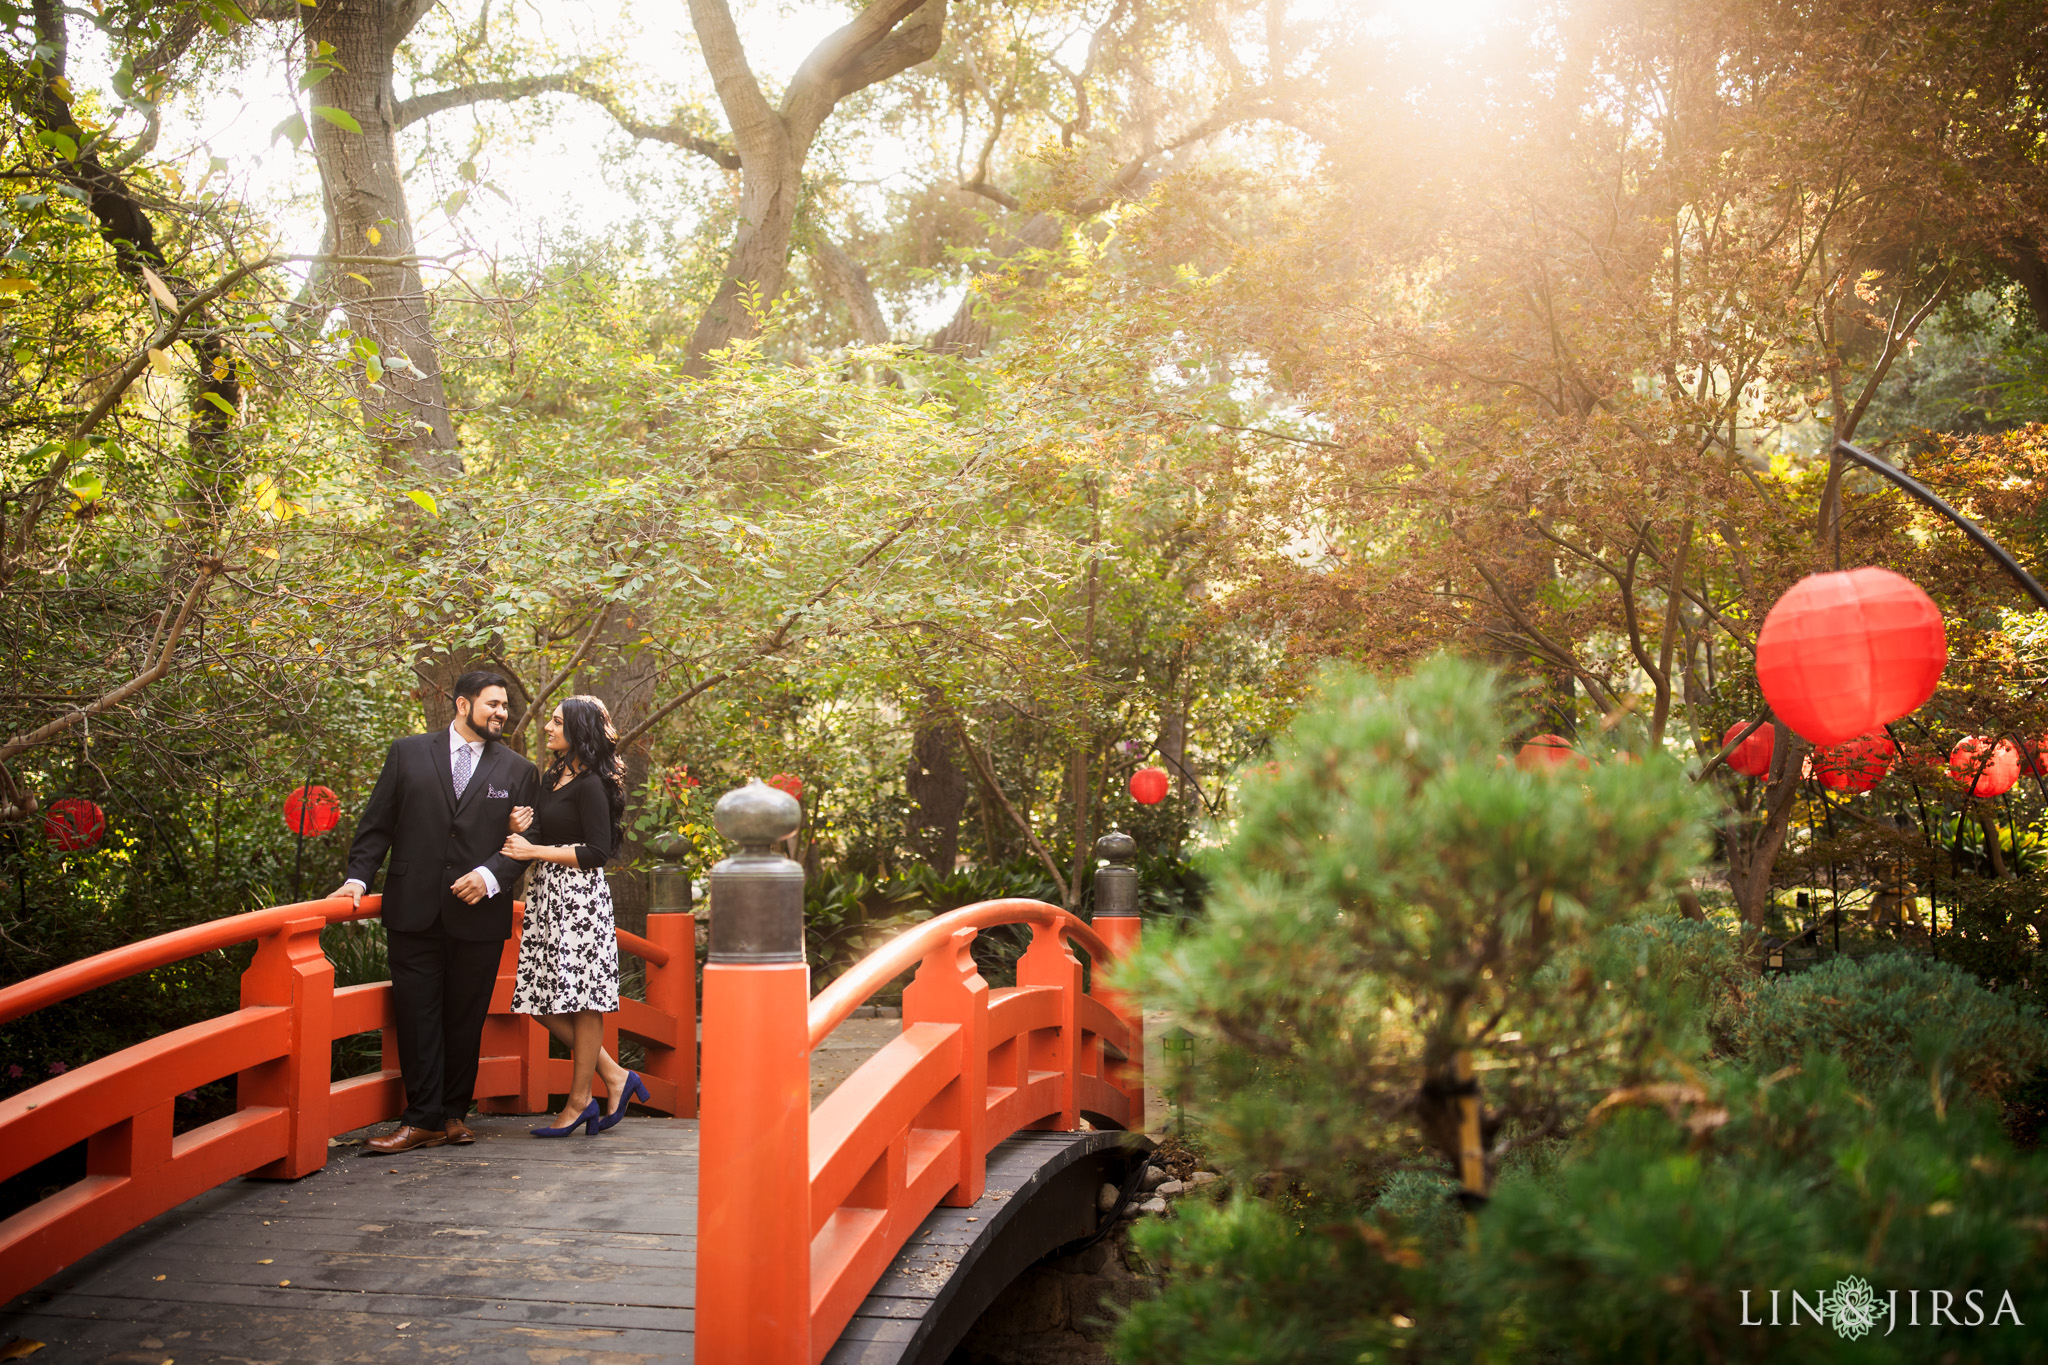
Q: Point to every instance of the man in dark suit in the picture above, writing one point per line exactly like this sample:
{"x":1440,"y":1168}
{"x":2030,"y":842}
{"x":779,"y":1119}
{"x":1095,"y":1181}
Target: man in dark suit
{"x":441,"y":808}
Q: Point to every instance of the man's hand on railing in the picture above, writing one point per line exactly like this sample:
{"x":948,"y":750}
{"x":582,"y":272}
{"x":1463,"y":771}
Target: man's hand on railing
{"x":351,"y":888}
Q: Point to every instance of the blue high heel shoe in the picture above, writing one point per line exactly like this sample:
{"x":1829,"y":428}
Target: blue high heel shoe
{"x":586,"y":1120}
{"x":636,"y":1089}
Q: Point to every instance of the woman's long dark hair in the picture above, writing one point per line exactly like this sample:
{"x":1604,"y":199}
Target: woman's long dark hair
{"x":593,"y":747}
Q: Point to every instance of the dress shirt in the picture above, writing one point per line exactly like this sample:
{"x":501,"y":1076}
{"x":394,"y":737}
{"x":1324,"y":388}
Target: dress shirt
{"x":476,"y":756}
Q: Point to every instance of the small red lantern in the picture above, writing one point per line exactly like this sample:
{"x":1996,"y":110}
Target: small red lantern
{"x":1856,"y":766}
{"x":1987,"y":768}
{"x":788,"y":782}
{"x":1752,"y":757}
{"x":2034,"y":757}
{"x":1842,"y":654}
{"x":74,"y":823}
{"x":1546,"y":751}
{"x":311,"y":810}
{"x":1148,"y":786}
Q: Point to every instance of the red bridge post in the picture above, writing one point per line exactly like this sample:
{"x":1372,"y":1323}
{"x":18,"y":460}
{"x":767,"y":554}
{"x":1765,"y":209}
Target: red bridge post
{"x":1118,"y":922}
{"x":290,"y":969}
{"x":753,"y":1299}
{"x":672,"y":989}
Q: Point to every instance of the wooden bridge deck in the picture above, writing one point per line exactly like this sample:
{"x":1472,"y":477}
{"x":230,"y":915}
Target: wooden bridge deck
{"x":509,"y":1250}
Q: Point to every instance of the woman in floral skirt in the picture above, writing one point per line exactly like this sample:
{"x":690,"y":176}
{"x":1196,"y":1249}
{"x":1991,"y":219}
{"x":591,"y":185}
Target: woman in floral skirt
{"x":568,"y":955}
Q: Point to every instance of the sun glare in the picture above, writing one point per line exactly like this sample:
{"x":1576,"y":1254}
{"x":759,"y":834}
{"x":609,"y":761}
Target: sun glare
{"x":1434,"y":19}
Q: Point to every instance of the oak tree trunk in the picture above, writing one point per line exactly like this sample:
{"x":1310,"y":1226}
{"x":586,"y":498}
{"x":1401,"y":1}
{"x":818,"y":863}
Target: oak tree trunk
{"x":937,"y":786}
{"x":406,"y":409}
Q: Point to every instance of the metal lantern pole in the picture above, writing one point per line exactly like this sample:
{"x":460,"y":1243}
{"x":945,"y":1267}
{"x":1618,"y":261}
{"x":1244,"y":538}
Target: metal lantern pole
{"x":1969,"y":528}
{"x":299,"y":857}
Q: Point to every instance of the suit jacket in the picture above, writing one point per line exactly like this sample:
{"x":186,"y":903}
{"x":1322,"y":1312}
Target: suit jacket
{"x":434,"y":839}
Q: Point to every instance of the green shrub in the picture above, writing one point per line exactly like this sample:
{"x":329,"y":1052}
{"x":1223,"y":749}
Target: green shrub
{"x":1395,"y":896}
{"x":1890,"y":1016}
{"x":1637,"y":1245}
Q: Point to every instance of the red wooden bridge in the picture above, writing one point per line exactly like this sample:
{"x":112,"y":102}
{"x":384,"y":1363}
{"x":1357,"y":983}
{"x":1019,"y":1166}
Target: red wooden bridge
{"x":873,"y":1227}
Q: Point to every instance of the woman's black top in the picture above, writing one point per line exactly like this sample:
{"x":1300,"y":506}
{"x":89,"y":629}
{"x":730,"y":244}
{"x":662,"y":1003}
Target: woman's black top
{"x":577,"y":813}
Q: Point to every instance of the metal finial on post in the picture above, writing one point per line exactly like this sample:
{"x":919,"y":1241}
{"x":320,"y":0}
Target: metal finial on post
{"x":1116,"y":885}
{"x":757,"y":897}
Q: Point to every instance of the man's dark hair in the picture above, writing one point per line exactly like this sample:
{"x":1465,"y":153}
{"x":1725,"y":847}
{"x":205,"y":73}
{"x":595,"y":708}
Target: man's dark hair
{"x":470,"y":684}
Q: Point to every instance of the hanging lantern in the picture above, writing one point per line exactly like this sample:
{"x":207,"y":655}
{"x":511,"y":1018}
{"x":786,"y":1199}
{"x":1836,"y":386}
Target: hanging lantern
{"x":788,"y":782}
{"x":1842,"y":654}
{"x":311,"y":810}
{"x":1546,"y":751}
{"x":1148,"y":786}
{"x":1752,"y":757}
{"x":74,"y":823}
{"x":1856,"y":766}
{"x":2034,"y":757}
{"x":1987,"y":768}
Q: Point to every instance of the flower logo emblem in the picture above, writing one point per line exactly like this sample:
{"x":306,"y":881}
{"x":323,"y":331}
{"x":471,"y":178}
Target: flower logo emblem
{"x":1852,"y":1308}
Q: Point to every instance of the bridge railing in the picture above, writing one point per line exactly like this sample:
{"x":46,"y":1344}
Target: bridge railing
{"x":806,"y":1209}
{"x":278,"y":1046}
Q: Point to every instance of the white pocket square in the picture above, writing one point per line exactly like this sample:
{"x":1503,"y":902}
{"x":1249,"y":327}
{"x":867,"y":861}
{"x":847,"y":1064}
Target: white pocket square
{"x":492,"y":793}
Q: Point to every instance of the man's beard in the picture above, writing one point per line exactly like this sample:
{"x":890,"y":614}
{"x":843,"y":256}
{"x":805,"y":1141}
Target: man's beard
{"x":493,"y":727}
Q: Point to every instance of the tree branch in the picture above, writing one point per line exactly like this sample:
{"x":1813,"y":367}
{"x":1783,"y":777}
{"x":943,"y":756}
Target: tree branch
{"x":540,"y":699}
{"x":676,"y":133}
{"x":36,"y":502}
{"x":1673,"y":596}
{"x":982,"y":771}
{"x":208,"y":569}
{"x":755,"y":126}
{"x":848,"y":279}
{"x":778,"y":640}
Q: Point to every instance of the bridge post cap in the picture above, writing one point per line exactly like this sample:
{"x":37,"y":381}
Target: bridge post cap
{"x":1116,"y":847}
{"x":1116,"y":882}
{"x":756,"y":815}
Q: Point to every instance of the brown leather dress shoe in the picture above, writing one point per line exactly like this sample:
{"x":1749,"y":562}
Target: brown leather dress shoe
{"x":406,"y":1139}
{"x":459,"y":1134}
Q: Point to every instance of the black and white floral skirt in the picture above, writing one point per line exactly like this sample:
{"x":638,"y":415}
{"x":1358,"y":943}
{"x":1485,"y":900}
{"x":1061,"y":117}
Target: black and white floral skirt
{"x":568,"y":954}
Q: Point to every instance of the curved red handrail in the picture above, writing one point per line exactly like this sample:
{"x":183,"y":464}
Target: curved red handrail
{"x":837,"y":1001}
{"x":639,"y":947}
{"x":117,"y":964}
{"x":276,"y":1045}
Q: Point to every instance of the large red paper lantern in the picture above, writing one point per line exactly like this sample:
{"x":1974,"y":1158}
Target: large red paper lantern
{"x":1752,"y":757}
{"x":1856,"y":766}
{"x":1986,"y":768}
{"x":1148,"y":786}
{"x":311,"y":810}
{"x":74,"y":823}
{"x":1546,"y":751}
{"x":788,"y":782}
{"x":1842,"y":654}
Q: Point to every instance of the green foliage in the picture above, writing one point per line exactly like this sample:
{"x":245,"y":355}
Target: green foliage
{"x":1395,"y":893}
{"x":1637,"y":1246}
{"x":1890,"y":1016}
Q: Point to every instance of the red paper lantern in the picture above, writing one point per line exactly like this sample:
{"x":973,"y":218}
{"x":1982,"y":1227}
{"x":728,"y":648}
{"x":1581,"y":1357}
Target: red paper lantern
{"x":1148,"y":786}
{"x":1842,"y":654}
{"x":1987,"y":768}
{"x":788,"y":782}
{"x":1752,"y":757}
{"x":74,"y":823}
{"x":2034,"y":757}
{"x":311,"y":810}
{"x":1546,"y":751}
{"x":1856,"y":766}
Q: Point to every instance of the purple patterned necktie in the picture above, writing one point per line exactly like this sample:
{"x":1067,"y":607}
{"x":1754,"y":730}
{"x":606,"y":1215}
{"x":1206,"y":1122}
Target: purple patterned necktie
{"x":464,"y":759}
